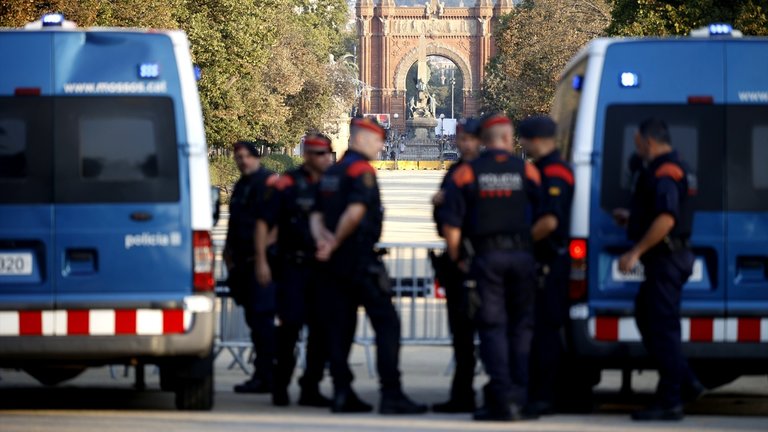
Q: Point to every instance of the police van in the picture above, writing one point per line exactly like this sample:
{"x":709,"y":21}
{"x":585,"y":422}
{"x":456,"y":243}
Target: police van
{"x":712,"y":90}
{"x":105,"y":206}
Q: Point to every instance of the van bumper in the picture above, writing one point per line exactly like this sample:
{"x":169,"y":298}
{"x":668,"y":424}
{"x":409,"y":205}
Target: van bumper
{"x":632,"y":354}
{"x":197,"y":341}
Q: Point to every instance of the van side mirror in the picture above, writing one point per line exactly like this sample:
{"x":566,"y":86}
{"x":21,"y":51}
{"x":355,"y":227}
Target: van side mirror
{"x":216,"y":202}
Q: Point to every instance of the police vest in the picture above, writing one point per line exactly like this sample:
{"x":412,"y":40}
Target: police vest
{"x":500,"y":203}
{"x":294,"y":233}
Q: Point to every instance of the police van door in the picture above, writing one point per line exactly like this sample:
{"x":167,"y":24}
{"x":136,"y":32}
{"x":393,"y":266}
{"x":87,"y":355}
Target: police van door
{"x":26,"y":186}
{"x":747,"y":191}
{"x":120,"y":222}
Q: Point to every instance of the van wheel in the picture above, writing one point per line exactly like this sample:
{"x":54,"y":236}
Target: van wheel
{"x":192,"y":381}
{"x":574,"y":388}
{"x":195,"y":394}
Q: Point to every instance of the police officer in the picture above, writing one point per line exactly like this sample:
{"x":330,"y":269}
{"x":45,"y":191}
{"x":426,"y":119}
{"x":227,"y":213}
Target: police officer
{"x":660,"y":224}
{"x":488,"y":207}
{"x":346,"y":226}
{"x":550,"y":235}
{"x":293,"y":269}
{"x":462,"y":396}
{"x":258,"y":301}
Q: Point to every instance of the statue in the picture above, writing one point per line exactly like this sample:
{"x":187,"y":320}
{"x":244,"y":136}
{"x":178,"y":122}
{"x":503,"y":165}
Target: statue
{"x":440,"y":8}
{"x":423,"y":104}
{"x":427,"y":9}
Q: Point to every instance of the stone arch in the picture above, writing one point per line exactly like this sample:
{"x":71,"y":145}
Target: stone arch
{"x":433,"y":49}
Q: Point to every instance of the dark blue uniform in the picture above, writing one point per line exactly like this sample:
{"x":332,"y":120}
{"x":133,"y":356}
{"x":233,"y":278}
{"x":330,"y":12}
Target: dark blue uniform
{"x":258,"y":302}
{"x":662,"y":188}
{"x":493,"y":199}
{"x":355,"y":275}
{"x":461,"y":325}
{"x":554,"y":268}
{"x":294,"y":267}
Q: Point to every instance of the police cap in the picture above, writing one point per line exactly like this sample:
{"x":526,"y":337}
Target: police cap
{"x":251,"y":146}
{"x":537,"y":127}
{"x":317,"y":142}
{"x":469,"y":126}
{"x":369,"y":124}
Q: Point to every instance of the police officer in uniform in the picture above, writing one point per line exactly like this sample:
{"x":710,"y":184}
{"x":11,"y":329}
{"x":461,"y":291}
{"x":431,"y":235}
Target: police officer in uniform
{"x":462,"y":396}
{"x":346,"y":226}
{"x":293,"y":269}
{"x":550,"y":235}
{"x":258,"y":301}
{"x":488,"y":208}
{"x":660,"y":225}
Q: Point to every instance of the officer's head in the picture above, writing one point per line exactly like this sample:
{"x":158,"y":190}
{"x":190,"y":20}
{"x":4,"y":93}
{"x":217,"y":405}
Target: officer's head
{"x":367,"y":137}
{"x":247,"y":156}
{"x":468,"y":138}
{"x":317,"y":152}
{"x":652,"y":138}
{"x":497,"y":132}
{"x":537,"y":136}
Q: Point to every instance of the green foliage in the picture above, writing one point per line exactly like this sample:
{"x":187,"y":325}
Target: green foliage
{"x":679,"y":17}
{"x":278,"y":163}
{"x":224,"y":174}
{"x":534,"y":43}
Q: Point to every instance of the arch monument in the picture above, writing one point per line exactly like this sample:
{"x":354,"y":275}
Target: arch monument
{"x":393,"y":36}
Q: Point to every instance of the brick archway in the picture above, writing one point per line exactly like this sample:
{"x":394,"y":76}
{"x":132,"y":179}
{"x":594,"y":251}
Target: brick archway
{"x":389,"y":36}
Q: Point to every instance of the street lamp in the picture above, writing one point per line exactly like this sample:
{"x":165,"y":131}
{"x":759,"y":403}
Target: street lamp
{"x":453,"y":86}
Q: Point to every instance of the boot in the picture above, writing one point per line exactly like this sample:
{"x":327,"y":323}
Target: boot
{"x":346,"y":401}
{"x":312,"y":397}
{"x":399,"y":403}
{"x":254,"y":385}
{"x":280,"y":397}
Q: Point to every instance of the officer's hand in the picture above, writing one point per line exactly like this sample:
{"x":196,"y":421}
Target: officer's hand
{"x":628,"y":261}
{"x":324,"y":250}
{"x":263,"y":273}
{"x":621,"y":216}
{"x":438,"y":198}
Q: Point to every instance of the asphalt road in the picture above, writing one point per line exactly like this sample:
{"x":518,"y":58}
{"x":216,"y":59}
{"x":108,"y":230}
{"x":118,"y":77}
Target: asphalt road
{"x":101,"y":401}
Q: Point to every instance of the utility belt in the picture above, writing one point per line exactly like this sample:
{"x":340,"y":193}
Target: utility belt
{"x":502,"y":242}
{"x":296,"y":257}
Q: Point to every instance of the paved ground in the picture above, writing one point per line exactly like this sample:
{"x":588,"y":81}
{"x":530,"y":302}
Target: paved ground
{"x":98,"y":402}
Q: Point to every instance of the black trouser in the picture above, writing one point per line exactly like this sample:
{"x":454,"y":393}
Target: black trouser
{"x":348,"y":289}
{"x":505,"y":281}
{"x":300,"y":303}
{"x":551,"y":312}
{"x":657,"y":314}
{"x":259,"y":307}
{"x":463,"y":334}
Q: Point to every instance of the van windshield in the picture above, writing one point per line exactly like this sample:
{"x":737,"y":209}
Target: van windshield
{"x":697,"y":133}
{"x":88,"y":150}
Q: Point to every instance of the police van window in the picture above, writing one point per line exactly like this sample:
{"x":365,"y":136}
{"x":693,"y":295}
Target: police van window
{"x":25,"y":150}
{"x":696,"y":132}
{"x":120,"y":149}
{"x":117,"y":149}
{"x":747,"y":158}
{"x":566,"y":105}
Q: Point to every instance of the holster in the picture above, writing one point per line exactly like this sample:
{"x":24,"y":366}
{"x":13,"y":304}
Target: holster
{"x":475,"y":301}
{"x":377,"y":274}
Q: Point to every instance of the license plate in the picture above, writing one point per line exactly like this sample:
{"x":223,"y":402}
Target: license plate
{"x":638,"y":273}
{"x":15,"y":264}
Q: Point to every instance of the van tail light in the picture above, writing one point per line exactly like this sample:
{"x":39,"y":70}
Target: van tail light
{"x":701,"y":100}
{"x":203,"y":262}
{"x":26,"y":91}
{"x":577,"y":285}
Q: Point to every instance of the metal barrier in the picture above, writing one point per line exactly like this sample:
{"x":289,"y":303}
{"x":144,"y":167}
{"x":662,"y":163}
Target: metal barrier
{"x":419,"y":304}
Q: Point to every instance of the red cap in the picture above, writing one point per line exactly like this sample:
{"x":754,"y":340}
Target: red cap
{"x":317,"y":142}
{"x":369,"y":124}
{"x":495,"y":120}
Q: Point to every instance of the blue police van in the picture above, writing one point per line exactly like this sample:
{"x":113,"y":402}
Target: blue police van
{"x":105,"y":206}
{"x":712,"y":90}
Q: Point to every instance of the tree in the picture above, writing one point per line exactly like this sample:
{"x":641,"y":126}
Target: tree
{"x":679,"y":17}
{"x":534,"y":43}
